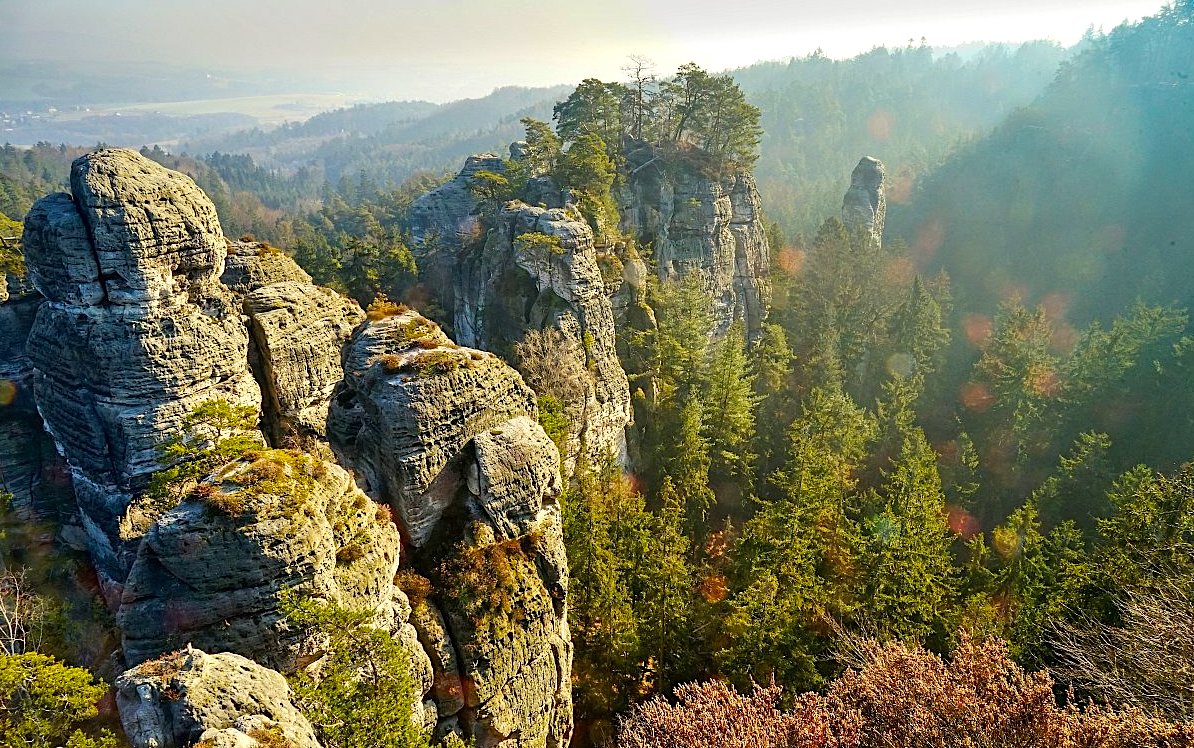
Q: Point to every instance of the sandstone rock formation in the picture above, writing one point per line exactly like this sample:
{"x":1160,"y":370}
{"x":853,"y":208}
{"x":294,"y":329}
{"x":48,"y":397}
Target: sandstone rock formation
{"x":498,"y":289}
{"x":864,"y":207}
{"x":209,"y":571}
{"x":27,"y":457}
{"x":146,"y":317}
{"x":252,"y":265}
{"x":134,"y":333}
{"x":298,"y":333}
{"x":191,"y":697}
{"x":700,"y":224}
{"x":448,"y":437}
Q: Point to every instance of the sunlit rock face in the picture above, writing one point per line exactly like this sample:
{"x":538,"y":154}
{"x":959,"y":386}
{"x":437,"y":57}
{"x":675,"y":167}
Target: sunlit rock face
{"x":222,"y":699}
{"x":145,"y":312}
{"x":448,"y":437}
{"x":699,"y":223}
{"x":864,"y":208}
{"x":135,"y":332}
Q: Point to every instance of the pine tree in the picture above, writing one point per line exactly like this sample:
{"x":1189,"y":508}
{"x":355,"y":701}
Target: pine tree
{"x":730,"y":404}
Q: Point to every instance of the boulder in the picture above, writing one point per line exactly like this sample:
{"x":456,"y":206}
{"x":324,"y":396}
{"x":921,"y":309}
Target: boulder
{"x":190,"y":698}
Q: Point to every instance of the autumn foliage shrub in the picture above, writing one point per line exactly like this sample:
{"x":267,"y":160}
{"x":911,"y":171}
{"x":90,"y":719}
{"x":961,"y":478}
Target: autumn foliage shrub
{"x":900,"y":697}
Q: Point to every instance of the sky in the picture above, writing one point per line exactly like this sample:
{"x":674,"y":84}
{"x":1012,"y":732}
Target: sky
{"x":448,"y":49}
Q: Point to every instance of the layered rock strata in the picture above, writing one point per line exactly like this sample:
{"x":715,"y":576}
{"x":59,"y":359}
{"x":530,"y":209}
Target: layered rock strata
{"x":448,"y":437}
{"x":220,"y":700}
{"x":498,"y":288}
{"x":137,"y":329}
{"x":135,"y":332}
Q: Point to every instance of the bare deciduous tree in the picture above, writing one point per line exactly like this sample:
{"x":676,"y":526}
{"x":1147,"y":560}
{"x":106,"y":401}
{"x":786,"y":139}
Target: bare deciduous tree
{"x":22,"y":614}
{"x":1147,"y":661}
{"x":553,"y":364}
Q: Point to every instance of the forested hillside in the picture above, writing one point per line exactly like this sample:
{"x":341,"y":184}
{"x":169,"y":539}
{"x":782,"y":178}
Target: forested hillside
{"x":919,"y":473}
{"x":909,"y":107}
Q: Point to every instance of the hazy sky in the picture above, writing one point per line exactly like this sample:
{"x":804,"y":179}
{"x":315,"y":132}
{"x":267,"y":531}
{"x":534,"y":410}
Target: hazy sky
{"x":446,"y":49}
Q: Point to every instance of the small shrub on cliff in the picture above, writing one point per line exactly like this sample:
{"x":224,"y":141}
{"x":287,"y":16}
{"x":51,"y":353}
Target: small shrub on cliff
{"x":481,"y":578}
{"x":363,"y":693}
{"x":46,"y":703}
{"x":270,"y":737}
{"x":416,"y":587}
{"x":535,"y":241}
{"x":214,"y":433}
{"x":434,"y":363}
{"x":12,"y":259}
{"x":381,"y":307}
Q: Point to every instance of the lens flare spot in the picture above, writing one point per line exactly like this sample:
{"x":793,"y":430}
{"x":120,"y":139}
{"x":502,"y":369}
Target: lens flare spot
{"x":899,"y":189}
{"x":929,"y":239}
{"x":975,"y":396}
{"x":1007,"y":542}
{"x":8,"y":391}
{"x":901,"y":365}
{"x":899,"y":271}
{"x":962,"y":522}
{"x":978,"y":329}
{"x":791,"y":260}
{"x":879,"y":125}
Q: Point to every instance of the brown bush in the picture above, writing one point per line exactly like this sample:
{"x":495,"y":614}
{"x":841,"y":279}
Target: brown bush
{"x":714,"y":715}
{"x":416,"y":587}
{"x":352,"y":551}
{"x":901,"y":697}
{"x":391,"y":362}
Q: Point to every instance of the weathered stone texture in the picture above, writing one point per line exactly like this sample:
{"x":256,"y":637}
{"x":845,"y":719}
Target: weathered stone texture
{"x":299,"y":332}
{"x":212,"y":578}
{"x":190,"y":696}
{"x":864,"y":208}
{"x":703,"y":225}
{"x":456,"y":449}
{"x":252,"y":265}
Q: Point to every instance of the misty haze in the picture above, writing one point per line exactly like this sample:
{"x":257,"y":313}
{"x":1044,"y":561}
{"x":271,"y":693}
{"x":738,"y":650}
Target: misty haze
{"x":636,"y":374}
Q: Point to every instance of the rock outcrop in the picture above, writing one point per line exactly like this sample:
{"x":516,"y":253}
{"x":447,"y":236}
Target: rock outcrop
{"x":864,"y":208}
{"x":298,"y":335}
{"x":30,"y":468}
{"x":699,"y":224}
{"x":448,"y":437}
{"x":253,"y":265}
{"x":209,"y":572}
{"x":145,"y":317}
{"x":190,"y":698}
{"x":135,"y":331}
{"x":498,"y":288}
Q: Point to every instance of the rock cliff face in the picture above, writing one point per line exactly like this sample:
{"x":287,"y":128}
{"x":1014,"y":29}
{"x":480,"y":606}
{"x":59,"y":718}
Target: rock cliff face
{"x":699,"y":224}
{"x":498,"y":288}
{"x":148,"y":312}
{"x":135,"y":331}
{"x":29,"y":469}
{"x":864,"y":207}
{"x":448,"y":437}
